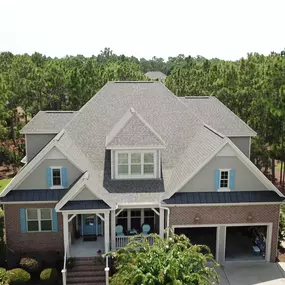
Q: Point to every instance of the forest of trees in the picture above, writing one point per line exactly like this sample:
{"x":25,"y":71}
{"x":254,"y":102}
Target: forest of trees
{"x":252,"y":87}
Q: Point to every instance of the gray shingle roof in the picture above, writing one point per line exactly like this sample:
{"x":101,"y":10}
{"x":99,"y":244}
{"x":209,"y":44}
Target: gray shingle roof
{"x":155,"y":75}
{"x":85,"y":205}
{"x":224,"y":197}
{"x":48,"y":122}
{"x":162,"y":110}
{"x":133,"y":131}
{"x":214,"y":113}
{"x":34,"y":195}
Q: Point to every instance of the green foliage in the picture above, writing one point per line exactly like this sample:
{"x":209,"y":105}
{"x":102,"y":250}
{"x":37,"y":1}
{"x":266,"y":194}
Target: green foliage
{"x":4,"y":280}
{"x":18,"y":276}
{"x":30,"y":264}
{"x":167,"y":261}
{"x":48,"y":276}
{"x":281,"y":233}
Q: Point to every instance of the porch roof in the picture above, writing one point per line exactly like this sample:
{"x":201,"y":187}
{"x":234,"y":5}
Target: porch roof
{"x":224,"y":197}
{"x":85,"y":205}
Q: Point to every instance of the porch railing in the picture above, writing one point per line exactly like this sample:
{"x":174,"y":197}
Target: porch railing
{"x":122,"y":241}
{"x":63,"y":271}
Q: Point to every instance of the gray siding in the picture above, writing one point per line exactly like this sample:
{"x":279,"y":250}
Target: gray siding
{"x":85,"y":194}
{"x":35,"y":143}
{"x":204,"y":180}
{"x":37,"y":178}
{"x":243,"y":143}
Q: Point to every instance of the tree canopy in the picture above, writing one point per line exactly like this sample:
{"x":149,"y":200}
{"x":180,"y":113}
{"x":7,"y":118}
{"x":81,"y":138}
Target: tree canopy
{"x":170,"y":261}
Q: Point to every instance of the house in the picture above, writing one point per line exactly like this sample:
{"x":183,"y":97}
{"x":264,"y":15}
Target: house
{"x":156,"y":75}
{"x":136,"y":154}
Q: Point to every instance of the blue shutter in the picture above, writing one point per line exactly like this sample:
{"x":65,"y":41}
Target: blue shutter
{"x":232,"y":179}
{"x":49,"y":177}
{"x":23,"y":220}
{"x":64,"y":177}
{"x":217,"y":179}
{"x":54,"y":221}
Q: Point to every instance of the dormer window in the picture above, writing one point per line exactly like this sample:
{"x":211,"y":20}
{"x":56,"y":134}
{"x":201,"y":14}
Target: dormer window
{"x":136,"y":164}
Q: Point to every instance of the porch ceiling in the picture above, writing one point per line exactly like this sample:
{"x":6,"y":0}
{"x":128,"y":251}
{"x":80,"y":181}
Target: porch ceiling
{"x":85,"y":205}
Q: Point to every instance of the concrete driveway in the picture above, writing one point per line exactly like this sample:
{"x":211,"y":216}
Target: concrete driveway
{"x":248,"y":273}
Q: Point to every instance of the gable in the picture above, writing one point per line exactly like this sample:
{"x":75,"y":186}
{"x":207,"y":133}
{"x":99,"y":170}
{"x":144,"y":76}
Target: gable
{"x":245,"y":180}
{"x":85,"y":194}
{"x":36,"y":179}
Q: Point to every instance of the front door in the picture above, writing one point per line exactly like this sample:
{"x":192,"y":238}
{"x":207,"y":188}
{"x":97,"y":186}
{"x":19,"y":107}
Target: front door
{"x":92,"y":225}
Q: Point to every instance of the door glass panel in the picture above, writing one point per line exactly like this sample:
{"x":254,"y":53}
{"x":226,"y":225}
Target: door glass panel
{"x":89,"y":220}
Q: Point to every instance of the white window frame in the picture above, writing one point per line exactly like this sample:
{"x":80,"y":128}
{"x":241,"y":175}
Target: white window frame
{"x":56,"y":186}
{"x":39,"y":220}
{"x":220,"y":175}
{"x":129,"y":175}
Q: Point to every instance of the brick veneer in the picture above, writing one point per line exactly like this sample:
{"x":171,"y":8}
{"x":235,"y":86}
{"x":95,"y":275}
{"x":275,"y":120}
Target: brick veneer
{"x":229,"y":215}
{"x":31,"y":242}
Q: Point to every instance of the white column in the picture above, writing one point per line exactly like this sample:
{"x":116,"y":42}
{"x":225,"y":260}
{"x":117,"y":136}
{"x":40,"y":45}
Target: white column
{"x":65,"y":232}
{"x":129,"y":219}
{"x":113,"y":233}
{"x":107,"y":231}
{"x":161,"y":222}
{"x":142,"y":217}
{"x":221,"y":244}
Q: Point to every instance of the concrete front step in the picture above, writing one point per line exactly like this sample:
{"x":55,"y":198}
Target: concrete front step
{"x":89,"y":279}
{"x":86,"y":267}
{"x":85,"y":273}
{"x":96,"y":283}
{"x":88,"y":262}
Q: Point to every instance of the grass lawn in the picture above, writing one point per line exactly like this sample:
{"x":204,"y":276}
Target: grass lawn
{"x":3,"y":183}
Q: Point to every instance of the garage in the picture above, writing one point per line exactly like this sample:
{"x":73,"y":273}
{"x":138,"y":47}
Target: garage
{"x":245,"y":243}
{"x":201,"y":235}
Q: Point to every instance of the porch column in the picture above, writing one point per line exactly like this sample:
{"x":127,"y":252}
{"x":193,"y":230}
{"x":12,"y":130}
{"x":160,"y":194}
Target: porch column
{"x":161,"y":222}
{"x":65,"y":233}
{"x":113,"y":233}
{"x":107,"y":231}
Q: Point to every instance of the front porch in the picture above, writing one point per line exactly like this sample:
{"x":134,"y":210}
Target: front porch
{"x":90,"y":233}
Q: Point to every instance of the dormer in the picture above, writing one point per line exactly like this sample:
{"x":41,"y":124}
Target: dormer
{"x":135,"y":148}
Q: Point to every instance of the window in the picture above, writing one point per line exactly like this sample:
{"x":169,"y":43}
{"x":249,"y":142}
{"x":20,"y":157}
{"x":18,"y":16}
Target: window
{"x":39,"y":220}
{"x":56,"y":177}
{"x":136,"y":164}
{"x":224,"y":178}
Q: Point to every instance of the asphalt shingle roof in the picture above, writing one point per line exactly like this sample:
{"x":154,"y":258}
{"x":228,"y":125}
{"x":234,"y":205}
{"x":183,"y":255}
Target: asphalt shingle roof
{"x":224,"y":197}
{"x":214,"y":113}
{"x":48,"y":122}
{"x":85,"y":205}
{"x":155,"y":75}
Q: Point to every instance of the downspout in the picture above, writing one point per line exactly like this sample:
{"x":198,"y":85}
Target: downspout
{"x":167,"y":220}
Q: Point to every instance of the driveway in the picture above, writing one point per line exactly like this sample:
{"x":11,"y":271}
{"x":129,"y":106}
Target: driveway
{"x":248,"y":273}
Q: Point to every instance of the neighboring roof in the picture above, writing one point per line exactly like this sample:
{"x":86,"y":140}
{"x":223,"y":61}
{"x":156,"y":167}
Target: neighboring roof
{"x":48,"y":122}
{"x":40,"y":195}
{"x":215,"y":114}
{"x":85,"y":205}
{"x":133,"y":131}
{"x":224,"y":197}
{"x":155,"y":75}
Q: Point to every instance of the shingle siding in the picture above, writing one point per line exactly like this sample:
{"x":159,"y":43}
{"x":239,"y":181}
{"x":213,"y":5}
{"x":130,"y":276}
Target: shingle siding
{"x":221,"y":215}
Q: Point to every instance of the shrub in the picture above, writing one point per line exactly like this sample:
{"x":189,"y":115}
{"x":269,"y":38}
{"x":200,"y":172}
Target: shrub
{"x":48,"y":276}
{"x":4,"y":280}
{"x":18,"y":276}
{"x":30,"y":264}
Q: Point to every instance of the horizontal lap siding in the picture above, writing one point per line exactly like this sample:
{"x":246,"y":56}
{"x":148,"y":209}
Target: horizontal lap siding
{"x":229,"y":215}
{"x":31,"y":242}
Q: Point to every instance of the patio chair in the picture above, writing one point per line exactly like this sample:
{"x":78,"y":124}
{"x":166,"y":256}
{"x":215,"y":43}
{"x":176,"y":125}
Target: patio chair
{"x":145,"y":229}
{"x":119,"y":230}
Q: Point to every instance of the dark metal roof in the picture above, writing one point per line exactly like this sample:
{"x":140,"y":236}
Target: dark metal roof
{"x":85,"y":205}
{"x":224,"y":197}
{"x":34,"y":195}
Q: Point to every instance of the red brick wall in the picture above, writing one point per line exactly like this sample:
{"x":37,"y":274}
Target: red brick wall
{"x":31,"y":242}
{"x":229,"y":215}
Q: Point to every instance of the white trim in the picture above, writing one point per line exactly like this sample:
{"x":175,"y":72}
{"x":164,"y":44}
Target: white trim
{"x":60,"y":170}
{"x":39,"y":133}
{"x":89,"y":211}
{"x":224,"y":189}
{"x":26,"y":148}
{"x":39,"y":220}
{"x":137,"y":205}
{"x":71,"y":218}
{"x":129,"y":164}
{"x":224,"y":204}
{"x":113,"y":161}
{"x":249,"y":148}
{"x":28,"y":202}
